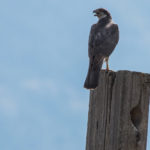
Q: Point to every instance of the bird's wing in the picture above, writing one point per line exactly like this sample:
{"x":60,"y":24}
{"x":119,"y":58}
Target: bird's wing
{"x":103,"y":41}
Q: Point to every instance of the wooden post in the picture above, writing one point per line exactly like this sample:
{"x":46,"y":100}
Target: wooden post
{"x":118,"y":112}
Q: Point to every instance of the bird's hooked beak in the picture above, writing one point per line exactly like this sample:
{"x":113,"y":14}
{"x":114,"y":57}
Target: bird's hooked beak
{"x":95,"y":12}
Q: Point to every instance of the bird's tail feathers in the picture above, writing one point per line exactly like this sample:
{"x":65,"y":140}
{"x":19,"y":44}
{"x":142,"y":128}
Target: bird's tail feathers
{"x":92,"y":78}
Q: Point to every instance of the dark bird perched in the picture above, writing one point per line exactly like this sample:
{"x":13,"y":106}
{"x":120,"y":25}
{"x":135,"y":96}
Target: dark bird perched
{"x":104,"y":36}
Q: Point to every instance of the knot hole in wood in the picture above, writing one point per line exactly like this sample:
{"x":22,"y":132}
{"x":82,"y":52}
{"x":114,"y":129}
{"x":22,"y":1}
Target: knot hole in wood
{"x":136,"y":118}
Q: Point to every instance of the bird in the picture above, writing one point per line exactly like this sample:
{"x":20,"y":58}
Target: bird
{"x":103,"y":38}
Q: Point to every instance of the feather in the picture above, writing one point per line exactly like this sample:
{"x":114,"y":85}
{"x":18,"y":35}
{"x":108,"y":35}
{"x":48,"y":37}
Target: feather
{"x":95,"y":66}
{"x":103,"y":38}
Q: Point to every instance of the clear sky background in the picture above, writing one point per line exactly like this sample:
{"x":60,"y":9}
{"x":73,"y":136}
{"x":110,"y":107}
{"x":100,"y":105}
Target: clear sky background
{"x":43,"y":65}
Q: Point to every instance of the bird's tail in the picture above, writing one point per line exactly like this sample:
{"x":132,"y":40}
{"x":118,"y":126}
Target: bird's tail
{"x":92,"y":78}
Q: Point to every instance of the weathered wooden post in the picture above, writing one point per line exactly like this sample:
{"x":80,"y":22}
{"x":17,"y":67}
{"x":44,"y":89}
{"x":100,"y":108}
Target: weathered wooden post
{"x":118,"y":112}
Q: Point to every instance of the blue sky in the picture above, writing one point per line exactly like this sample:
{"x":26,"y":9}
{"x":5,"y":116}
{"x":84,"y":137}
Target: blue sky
{"x":44,"y":62}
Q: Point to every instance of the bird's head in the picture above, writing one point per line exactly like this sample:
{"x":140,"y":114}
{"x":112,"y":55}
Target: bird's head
{"x":101,"y":13}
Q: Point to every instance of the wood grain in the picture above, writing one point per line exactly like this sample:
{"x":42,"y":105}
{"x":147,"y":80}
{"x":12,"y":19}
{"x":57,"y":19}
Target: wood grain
{"x":118,"y":112}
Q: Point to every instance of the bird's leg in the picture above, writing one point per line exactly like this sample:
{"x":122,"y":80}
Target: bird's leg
{"x":107,"y":65}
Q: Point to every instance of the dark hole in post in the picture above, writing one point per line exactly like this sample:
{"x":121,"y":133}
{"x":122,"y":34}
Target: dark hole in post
{"x":136,"y":116}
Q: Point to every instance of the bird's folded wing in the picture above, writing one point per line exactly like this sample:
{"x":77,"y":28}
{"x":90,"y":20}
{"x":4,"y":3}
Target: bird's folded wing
{"x":102,"y":41}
